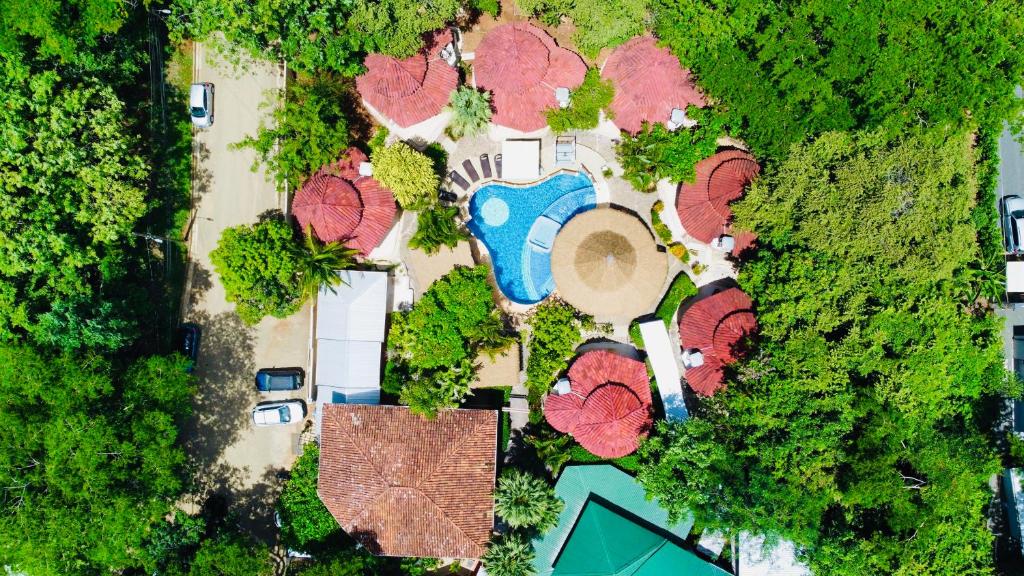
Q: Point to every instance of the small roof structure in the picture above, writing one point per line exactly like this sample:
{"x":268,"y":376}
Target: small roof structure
{"x":649,"y":84}
{"x":411,"y":90}
{"x":715,"y":325}
{"x":1014,"y":276}
{"x":342,"y":205}
{"x":703,"y":205}
{"x":355,"y":309}
{"x":662,"y":356}
{"x":403,"y":485}
{"x":522,"y":66}
{"x":608,"y":526}
{"x":606,"y":263}
{"x":608,"y":407}
{"x":521,"y":159}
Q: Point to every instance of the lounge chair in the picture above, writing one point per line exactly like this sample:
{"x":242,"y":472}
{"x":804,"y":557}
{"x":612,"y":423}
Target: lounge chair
{"x":565,"y":150}
{"x":485,"y":165}
{"x":467,"y":165}
{"x":497,"y":164}
{"x":459,"y":180}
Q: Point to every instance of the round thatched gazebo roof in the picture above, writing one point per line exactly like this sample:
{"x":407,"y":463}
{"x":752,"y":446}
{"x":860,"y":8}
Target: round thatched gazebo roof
{"x":605,"y":263}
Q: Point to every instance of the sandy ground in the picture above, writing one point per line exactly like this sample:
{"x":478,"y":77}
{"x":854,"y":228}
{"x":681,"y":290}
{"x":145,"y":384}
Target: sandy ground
{"x":229,"y":455}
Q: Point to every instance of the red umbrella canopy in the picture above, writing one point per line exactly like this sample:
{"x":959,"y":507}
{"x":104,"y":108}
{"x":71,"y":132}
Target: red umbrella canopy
{"x":715,"y":325}
{"x":703,"y":206}
{"x":330,"y":204}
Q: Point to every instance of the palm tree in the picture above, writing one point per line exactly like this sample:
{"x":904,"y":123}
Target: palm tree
{"x":471,"y":112}
{"x":527,"y":501}
{"x":509,"y":555}
{"x":319,"y":264}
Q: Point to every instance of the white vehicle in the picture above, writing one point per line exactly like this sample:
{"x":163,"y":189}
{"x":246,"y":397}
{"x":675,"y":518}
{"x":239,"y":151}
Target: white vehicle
{"x":200,"y":102}
{"x":1013,"y":223}
{"x":279,"y":413}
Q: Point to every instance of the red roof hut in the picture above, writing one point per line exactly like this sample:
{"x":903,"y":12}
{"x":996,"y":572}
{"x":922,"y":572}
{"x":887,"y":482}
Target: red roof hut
{"x":608,"y":406}
{"x":522,"y":66}
{"x":342,"y":205}
{"x":715,"y":326}
{"x":412,"y":90}
{"x":649,"y":84}
{"x":703,"y":206}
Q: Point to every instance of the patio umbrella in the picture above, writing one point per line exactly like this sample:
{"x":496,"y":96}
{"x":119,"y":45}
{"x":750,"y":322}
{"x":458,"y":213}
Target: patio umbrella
{"x":605,"y":263}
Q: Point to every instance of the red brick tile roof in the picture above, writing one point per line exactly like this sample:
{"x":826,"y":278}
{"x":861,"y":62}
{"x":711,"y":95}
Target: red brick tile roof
{"x":406,"y":486}
{"x":609,"y":408}
{"x":521,"y":65}
{"x":649,"y":83}
{"x":703,"y":206}
{"x":715,"y":325}
{"x":412,"y":90}
{"x":341,"y":205}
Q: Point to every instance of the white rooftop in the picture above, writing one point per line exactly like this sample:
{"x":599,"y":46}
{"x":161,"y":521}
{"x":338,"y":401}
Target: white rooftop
{"x":662,"y":356}
{"x":347,"y":364}
{"x":1014,"y":276}
{"x":355,"y":310}
{"x":520,"y":160}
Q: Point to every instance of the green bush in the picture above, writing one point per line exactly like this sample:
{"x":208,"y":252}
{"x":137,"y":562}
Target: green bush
{"x":679,"y":251}
{"x":436,"y":227}
{"x":555,"y":332}
{"x":509,"y":555}
{"x":471,"y":112}
{"x":304,"y":518}
{"x":231,"y":555}
{"x":580,"y":455}
{"x":635,"y":336}
{"x":656,"y":152}
{"x":409,"y":174}
{"x":682,"y":287}
{"x":599,"y":24}
{"x":585,"y":105}
{"x":524,"y":500}
{"x":663,"y":232}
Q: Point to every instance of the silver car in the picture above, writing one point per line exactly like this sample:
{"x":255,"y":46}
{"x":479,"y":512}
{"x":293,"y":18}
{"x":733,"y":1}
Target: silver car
{"x":1013,"y":223}
{"x":279,"y":413}
{"x":200,"y":102}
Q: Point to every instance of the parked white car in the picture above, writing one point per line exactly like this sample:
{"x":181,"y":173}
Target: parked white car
{"x":279,"y":413}
{"x":200,"y":102}
{"x":1013,"y":223}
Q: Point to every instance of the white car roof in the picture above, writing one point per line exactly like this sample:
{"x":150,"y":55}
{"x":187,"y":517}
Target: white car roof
{"x":195,"y":96}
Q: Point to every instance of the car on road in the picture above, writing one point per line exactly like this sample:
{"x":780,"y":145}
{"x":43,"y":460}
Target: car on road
{"x":200,"y":103}
{"x":188,"y":343}
{"x":279,"y":413}
{"x":278,"y":379}
{"x":1013,"y":222}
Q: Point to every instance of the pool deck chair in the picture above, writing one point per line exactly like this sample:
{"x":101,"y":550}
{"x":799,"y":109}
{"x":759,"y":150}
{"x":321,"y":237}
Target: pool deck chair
{"x":459,"y":180}
{"x":485,"y":165}
{"x":497,"y":164}
{"x":467,"y":165}
{"x":565,"y":150}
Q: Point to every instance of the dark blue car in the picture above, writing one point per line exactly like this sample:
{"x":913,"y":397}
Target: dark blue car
{"x":188,"y":343}
{"x":278,"y":379}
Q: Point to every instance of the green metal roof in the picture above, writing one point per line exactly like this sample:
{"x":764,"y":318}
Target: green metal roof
{"x":610,"y":528}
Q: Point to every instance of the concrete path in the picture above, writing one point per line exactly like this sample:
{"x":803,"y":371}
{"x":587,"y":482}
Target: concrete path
{"x":228,"y":454}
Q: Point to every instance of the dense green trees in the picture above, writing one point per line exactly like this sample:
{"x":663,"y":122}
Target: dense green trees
{"x":90,"y":458}
{"x":555,"y":332}
{"x":857,"y":430}
{"x":785,"y":70}
{"x":585,"y":105}
{"x":656,"y":152}
{"x":524,"y":500}
{"x":509,"y":555}
{"x":599,"y":23}
{"x":436,"y":227}
{"x":304,"y":518}
{"x":231,"y":554}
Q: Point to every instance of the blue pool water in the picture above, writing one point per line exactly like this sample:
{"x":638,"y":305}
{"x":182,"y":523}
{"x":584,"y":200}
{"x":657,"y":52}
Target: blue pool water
{"x":518,"y":226}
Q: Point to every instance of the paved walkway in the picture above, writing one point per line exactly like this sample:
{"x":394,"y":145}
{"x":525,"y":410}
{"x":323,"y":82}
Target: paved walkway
{"x":228,"y":454}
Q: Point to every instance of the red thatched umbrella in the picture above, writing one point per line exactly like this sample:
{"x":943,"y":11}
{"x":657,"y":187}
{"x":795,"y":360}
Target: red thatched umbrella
{"x":703,"y":206}
{"x":715,"y":325}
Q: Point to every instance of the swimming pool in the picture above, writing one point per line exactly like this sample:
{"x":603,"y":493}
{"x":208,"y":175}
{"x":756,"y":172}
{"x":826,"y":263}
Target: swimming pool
{"x":518,"y":225}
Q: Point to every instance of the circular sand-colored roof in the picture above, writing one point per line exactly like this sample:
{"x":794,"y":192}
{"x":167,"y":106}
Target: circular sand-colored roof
{"x":606,"y":263}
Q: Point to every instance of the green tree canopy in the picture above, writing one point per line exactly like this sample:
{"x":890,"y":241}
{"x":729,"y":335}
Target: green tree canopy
{"x":599,"y":24}
{"x":408,"y":173}
{"x":91,"y":457}
{"x":231,"y":554}
{"x":60,"y":30}
{"x":437,"y":227}
{"x":585,"y":105}
{"x":788,"y":69}
{"x":509,"y":555}
{"x":471,"y":112}
{"x":657,"y":152}
{"x":555,"y":332}
{"x":527,"y":501}
{"x":855,"y":431}
{"x":304,"y":518}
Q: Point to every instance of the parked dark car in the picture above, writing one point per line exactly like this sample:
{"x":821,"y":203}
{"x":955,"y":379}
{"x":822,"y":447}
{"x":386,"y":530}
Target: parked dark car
{"x":277,"y":379}
{"x":188,"y":343}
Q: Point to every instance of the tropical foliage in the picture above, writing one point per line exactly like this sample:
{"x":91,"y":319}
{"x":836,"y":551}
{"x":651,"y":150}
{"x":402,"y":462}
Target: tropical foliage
{"x":585,"y":105}
{"x":408,"y":173}
{"x":656,"y":152}
{"x":319,"y":263}
{"x":437,"y":227}
{"x":304,"y":518}
{"x":855,"y":431}
{"x":309,"y":131}
{"x":471,"y":112}
{"x":599,"y":24}
{"x":509,"y":555}
{"x":555,"y":332}
{"x":526,"y":501}
{"x":433,"y":346}
{"x":231,"y":554}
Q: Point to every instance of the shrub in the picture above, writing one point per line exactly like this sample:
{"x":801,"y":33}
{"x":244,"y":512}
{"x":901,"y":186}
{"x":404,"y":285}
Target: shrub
{"x":408,"y":173}
{"x":526,"y":501}
{"x":656,"y":153}
{"x":304,"y":518}
{"x":635,"y":336}
{"x":682,"y":287}
{"x":552,"y":448}
{"x":231,"y":555}
{"x":471,"y":112}
{"x":492,"y":7}
{"x":585,"y":105}
{"x":509,"y":555}
{"x":555,"y":332}
{"x":679,"y":251}
{"x":663,"y":232}
{"x":436,"y":227}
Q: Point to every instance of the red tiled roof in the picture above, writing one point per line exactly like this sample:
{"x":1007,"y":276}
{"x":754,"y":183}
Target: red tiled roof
{"x":715,"y":325}
{"x":521,"y":65}
{"x":703,"y":206}
{"x":649,"y":83}
{"x":406,"y":486}
{"x":412,"y":90}
{"x":609,"y":407}
{"x":341,"y":205}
